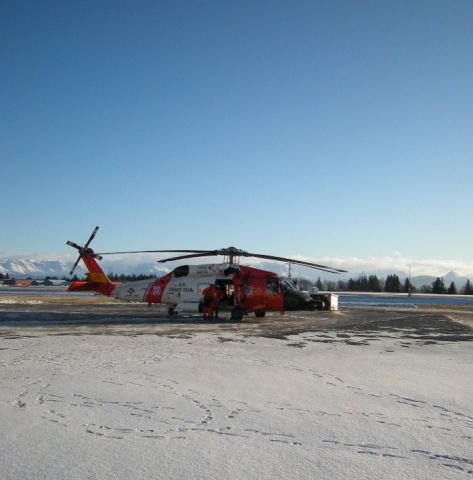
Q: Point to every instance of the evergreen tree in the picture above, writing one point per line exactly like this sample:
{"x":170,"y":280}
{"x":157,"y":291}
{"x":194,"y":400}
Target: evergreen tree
{"x":425,"y":289}
{"x":361,"y":284}
{"x":468,"y":289}
{"x":319,"y":284}
{"x":452,"y":289}
{"x":438,"y":286}
{"x":115,"y":277}
{"x":330,"y":286}
{"x":408,"y":287}
{"x":393,"y":284}
{"x":374,"y":284}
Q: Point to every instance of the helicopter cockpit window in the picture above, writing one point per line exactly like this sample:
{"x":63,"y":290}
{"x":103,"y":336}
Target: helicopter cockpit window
{"x":181,"y":271}
{"x":287,"y":285}
{"x":272,"y":285}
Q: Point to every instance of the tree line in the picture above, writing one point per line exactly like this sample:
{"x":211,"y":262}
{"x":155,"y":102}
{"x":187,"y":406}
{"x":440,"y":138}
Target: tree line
{"x":363,"y":283}
{"x":121,"y":277}
{"x":392,"y":284}
{"x":114,"y":277}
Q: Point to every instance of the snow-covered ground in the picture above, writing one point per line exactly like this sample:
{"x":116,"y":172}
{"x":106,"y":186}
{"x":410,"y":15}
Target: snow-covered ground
{"x":203,"y":401}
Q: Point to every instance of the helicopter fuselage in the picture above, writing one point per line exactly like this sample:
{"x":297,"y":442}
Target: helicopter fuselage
{"x":246,"y":288}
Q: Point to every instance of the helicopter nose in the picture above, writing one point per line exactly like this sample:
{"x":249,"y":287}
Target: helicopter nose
{"x":294,"y":300}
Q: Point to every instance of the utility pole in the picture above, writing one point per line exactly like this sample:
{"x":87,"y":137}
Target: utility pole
{"x":409,"y":289}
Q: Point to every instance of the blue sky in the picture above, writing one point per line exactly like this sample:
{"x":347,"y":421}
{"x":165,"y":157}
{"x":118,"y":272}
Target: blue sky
{"x":324,"y":129}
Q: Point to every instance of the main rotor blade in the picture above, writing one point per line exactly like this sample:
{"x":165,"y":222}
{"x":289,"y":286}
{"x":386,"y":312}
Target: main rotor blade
{"x":298,"y":262}
{"x":193,"y":255}
{"x":320,"y":267}
{"x":153,"y":251}
{"x":91,"y":237}
{"x":231,"y":251}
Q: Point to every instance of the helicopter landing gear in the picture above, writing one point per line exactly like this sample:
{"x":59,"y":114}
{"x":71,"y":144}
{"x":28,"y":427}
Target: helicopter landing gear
{"x":237,"y":313}
{"x":260,"y":313}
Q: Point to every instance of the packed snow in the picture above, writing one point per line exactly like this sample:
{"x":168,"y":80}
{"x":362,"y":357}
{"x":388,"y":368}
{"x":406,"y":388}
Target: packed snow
{"x":179,"y":400}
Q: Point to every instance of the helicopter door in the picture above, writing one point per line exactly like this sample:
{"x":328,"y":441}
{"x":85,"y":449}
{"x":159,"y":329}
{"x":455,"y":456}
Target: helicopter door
{"x":226,"y":286}
{"x":201,"y":287}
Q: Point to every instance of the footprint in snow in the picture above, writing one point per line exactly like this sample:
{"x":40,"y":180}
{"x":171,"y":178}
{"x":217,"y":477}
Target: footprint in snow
{"x":19,"y":403}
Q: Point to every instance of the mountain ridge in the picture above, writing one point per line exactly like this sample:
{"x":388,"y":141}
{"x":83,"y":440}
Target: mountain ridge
{"x":26,"y":267}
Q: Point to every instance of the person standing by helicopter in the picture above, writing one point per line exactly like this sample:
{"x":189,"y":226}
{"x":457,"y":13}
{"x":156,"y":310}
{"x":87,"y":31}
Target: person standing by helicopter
{"x":207,"y":302}
{"x":213,"y":295}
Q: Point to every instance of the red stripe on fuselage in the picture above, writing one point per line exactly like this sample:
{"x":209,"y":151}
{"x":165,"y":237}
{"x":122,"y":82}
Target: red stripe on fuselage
{"x":156,"y":290}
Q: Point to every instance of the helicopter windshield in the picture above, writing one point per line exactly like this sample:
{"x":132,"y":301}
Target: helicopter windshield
{"x":287,"y":285}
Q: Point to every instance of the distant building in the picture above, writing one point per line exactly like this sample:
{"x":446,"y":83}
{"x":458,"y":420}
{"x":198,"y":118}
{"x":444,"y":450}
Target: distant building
{"x":18,"y":282}
{"x":55,"y":283}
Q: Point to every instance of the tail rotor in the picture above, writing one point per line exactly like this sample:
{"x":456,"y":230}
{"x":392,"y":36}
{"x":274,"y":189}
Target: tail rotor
{"x":85,"y":250}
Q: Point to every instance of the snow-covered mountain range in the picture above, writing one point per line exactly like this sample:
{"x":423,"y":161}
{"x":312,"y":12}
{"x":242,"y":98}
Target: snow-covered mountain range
{"x":24,"y":267}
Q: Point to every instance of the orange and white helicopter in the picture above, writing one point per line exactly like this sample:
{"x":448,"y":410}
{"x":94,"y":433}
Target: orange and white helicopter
{"x":205,"y":288}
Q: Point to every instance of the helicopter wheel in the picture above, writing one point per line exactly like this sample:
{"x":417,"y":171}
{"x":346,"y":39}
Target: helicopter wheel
{"x":260,"y":313}
{"x":237,"y":313}
{"x":171,"y":312}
